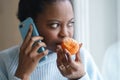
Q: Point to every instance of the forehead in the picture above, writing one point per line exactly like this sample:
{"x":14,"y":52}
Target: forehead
{"x":59,"y":9}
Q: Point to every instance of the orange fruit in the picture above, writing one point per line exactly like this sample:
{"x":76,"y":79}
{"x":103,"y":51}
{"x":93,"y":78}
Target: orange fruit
{"x":71,"y":45}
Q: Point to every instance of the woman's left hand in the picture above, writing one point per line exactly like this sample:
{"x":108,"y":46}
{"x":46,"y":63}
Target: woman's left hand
{"x":72,"y":69}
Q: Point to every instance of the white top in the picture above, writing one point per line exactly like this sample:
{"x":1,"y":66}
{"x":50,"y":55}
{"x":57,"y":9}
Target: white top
{"x":47,"y":69}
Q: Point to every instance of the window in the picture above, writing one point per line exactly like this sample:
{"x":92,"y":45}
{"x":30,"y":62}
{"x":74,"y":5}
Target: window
{"x":97,"y":25}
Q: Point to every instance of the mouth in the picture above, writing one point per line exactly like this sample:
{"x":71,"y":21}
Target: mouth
{"x":58,"y":42}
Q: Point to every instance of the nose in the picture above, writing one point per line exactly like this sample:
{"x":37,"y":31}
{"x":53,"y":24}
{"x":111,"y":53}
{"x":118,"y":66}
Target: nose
{"x":63,"y":32}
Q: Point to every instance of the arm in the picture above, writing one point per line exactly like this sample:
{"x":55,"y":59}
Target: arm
{"x":29,"y":55}
{"x":85,"y":77}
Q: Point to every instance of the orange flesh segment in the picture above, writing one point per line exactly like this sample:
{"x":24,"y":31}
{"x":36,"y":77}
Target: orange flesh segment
{"x":71,"y":45}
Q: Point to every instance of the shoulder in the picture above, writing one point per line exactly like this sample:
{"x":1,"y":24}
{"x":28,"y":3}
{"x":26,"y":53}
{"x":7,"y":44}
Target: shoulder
{"x":84,"y":53}
{"x":9,"y":51}
{"x":8,"y":55}
{"x":86,"y":58}
{"x":8,"y":61}
{"x":89,"y":64}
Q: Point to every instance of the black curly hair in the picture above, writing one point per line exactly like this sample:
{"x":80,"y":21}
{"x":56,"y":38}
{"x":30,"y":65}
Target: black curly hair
{"x":31,"y":8}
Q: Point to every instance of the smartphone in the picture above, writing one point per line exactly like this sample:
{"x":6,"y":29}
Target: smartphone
{"x":24,"y":27}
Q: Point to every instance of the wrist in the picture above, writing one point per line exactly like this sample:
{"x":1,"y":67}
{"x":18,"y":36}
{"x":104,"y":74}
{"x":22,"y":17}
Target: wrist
{"x":22,"y":76}
{"x":78,"y":77}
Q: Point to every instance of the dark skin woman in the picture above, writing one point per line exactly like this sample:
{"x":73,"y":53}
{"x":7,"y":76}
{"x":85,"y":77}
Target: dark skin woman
{"x":54,"y":22}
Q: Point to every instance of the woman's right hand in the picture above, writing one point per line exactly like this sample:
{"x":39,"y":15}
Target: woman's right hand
{"x":29,"y":56}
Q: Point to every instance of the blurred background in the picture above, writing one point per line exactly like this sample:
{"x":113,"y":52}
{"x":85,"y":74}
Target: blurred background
{"x":9,"y":34}
{"x":98,"y":25}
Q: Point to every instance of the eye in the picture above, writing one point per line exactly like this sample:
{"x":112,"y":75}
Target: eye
{"x":71,"y":24}
{"x":54,"y":25}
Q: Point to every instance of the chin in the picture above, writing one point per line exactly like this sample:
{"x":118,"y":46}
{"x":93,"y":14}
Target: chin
{"x":52,"y":49}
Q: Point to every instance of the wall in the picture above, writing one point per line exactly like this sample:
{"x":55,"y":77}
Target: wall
{"x":97,"y":25}
{"x":9,"y":34}
{"x":118,"y":18}
{"x":103,"y":27}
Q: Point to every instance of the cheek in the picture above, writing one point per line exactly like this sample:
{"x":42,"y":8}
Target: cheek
{"x":50,"y":40}
{"x":71,"y":32}
{"x":49,"y":37}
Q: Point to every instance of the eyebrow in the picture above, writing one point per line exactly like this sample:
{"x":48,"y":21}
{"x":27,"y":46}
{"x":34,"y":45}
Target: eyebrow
{"x":72,"y":19}
{"x":53,"y":20}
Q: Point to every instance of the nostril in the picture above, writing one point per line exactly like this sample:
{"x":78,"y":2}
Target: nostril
{"x":63,"y":34}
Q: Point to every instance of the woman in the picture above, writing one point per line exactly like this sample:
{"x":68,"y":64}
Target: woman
{"x":54,"y":20}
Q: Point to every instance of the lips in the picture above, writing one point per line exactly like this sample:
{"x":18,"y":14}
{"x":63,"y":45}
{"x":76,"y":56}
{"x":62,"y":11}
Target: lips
{"x":58,"y":43}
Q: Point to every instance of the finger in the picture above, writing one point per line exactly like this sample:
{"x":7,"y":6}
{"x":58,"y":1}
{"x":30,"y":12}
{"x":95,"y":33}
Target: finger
{"x":34,"y":40}
{"x":63,"y":57}
{"x":71,"y":63}
{"x":59,"y":58}
{"x":61,"y":64}
{"x":31,"y":42}
{"x":41,"y":55}
{"x":37,"y":46}
{"x":28,"y":36}
{"x":58,"y":51}
{"x":68,"y":56}
{"x":78,"y":54}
